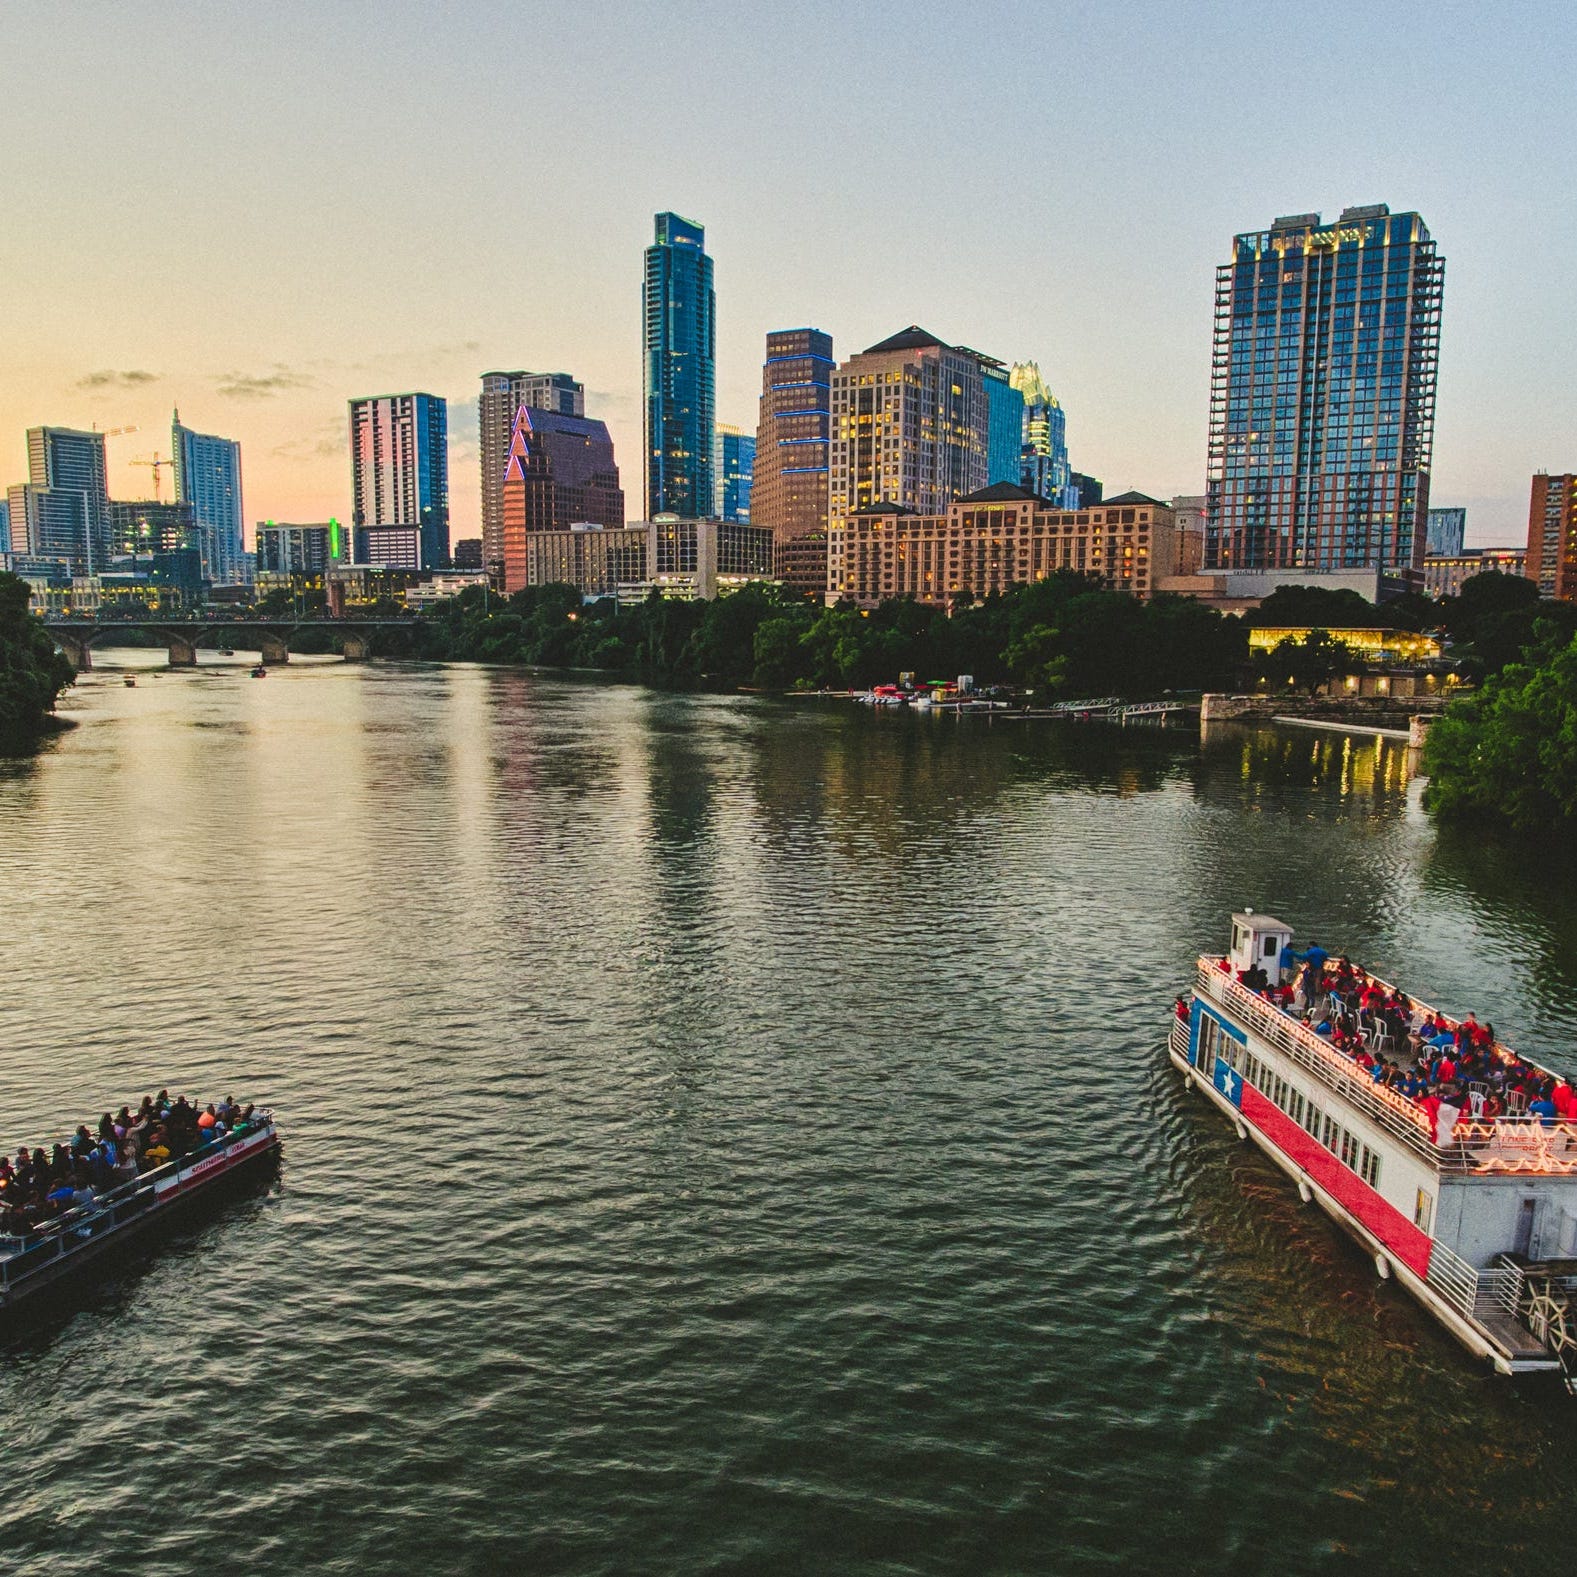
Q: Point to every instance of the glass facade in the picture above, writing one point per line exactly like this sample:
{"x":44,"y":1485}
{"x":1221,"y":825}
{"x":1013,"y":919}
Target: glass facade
{"x":1322,"y":394}
{"x":789,"y":490}
{"x":734,"y":460}
{"x":64,"y":460}
{"x":1445,"y":533}
{"x":208,"y":479}
{"x":1004,"y":423}
{"x":680,"y":336}
{"x":1043,"y":447}
{"x":503,"y":394}
{"x":399,"y":455}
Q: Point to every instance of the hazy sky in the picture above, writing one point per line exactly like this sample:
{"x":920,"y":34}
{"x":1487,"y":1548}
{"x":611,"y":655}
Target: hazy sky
{"x":256,"y":212}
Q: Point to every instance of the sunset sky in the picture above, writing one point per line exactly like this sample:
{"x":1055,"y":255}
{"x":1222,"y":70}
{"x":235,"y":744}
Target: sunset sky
{"x":257,"y":212}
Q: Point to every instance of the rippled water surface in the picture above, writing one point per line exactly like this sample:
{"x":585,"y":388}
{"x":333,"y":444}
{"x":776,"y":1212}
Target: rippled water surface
{"x":726,"y":1136}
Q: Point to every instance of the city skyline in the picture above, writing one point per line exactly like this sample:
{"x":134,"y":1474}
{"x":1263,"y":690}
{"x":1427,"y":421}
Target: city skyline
{"x":292,"y":323}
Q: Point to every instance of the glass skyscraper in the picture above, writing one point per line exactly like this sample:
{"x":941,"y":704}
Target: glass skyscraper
{"x":503,"y":393}
{"x":75,"y":523}
{"x":788,"y":492}
{"x":680,"y":333}
{"x":734,"y":460}
{"x":1004,"y":423}
{"x":1322,"y":394}
{"x":208,"y":478}
{"x":1043,"y":447}
{"x":1446,"y":532}
{"x":399,"y":455}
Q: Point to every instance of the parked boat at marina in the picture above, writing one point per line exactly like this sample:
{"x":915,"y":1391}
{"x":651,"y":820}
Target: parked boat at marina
{"x":1460,"y":1183}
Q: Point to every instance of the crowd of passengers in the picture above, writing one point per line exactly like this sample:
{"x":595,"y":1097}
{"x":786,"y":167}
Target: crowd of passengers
{"x":1450,"y":1069}
{"x":39,"y":1185}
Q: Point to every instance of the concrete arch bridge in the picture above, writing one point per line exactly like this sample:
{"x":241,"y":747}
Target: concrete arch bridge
{"x":77,"y":637}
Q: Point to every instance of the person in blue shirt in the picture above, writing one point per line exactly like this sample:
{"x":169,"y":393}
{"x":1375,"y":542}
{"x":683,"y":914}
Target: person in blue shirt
{"x":1544,"y":1109}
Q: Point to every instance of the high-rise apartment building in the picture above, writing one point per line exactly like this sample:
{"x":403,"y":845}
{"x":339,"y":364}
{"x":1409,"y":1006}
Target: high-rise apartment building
{"x":67,"y":461}
{"x":1043,"y":445}
{"x":793,"y":430}
{"x":1552,"y":535}
{"x":680,"y":338}
{"x":1322,"y":394}
{"x":734,"y":465}
{"x":53,"y":523}
{"x":558,"y":471}
{"x":399,"y":456}
{"x":208,"y":479}
{"x":503,"y":393}
{"x":910,"y":425}
{"x":1445,"y":532}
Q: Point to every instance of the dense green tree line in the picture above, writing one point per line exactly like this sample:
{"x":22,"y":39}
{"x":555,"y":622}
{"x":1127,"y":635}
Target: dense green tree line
{"x":1062,"y":635}
{"x":32,"y":672}
{"x":1508,"y":753}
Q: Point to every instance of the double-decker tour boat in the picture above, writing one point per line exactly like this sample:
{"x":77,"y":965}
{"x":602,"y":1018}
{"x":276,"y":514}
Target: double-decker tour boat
{"x":1453,"y":1168}
{"x":45,"y":1253}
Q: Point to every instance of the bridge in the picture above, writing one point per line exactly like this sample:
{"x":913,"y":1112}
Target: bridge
{"x":271,"y":636}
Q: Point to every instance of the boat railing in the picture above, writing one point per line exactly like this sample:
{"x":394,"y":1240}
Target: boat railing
{"x":1394,"y":1113}
{"x":67,"y":1232}
{"x":1474,"y":1293}
{"x":1504,"y":1145}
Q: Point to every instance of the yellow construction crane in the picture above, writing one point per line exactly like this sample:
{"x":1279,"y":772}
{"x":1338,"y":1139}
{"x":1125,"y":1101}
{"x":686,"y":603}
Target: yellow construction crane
{"x":155,"y":463}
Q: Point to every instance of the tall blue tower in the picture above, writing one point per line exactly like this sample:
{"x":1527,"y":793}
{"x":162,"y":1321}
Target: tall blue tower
{"x":680,"y":330}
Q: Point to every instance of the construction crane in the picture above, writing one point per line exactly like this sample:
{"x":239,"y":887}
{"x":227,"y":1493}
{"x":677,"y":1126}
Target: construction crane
{"x":117,"y":432}
{"x":155,"y":463}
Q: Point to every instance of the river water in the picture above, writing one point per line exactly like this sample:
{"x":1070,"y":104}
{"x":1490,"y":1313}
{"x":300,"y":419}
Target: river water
{"x":726,"y":1136}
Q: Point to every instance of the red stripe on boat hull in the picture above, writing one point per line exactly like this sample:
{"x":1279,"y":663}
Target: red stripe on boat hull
{"x":1404,"y":1240}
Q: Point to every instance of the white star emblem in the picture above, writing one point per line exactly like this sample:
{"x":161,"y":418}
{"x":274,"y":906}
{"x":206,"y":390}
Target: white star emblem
{"x":1226,"y":1084}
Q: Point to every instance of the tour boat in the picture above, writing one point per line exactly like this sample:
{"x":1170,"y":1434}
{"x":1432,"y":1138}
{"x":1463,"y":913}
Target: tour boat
{"x":1475,"y":1216}
{"x":62,"y":1247}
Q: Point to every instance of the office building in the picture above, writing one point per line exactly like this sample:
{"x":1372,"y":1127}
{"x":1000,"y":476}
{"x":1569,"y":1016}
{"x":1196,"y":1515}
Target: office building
{"x":399,"y":455}
{"x":734,"y":466}
{"x":64,"y":460}
{"x":208,"y":479}
{"x":1087,"y":489}
{"x":910,"y":424}
{"x":999,"y":537}
{"x":1552,"y":535}
{"x":692,"y":559}
{"x":793,"y":430}
{"x":142,"y":527}
{"x":503,"y":393}
{"x":680,"y":340}
{"x":1322,"y":394}
{"x":595,"y":560}
{"x":1444,"y":573}
{"x":1043,"y":444}
{"x":285,"y":549}
{"x":468,"y":551}
{"x":1004,"y":423}
{"x":5,"y":526}
{"x":54,"y":523}
{"x":1444,"y":533}
{"x":559,"y":471}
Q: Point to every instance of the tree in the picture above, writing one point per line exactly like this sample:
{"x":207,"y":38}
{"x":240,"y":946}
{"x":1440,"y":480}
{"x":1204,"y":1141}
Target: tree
{"x":32,"y":672}
{"x":1509,"y":753}
{"x":1036,"y":660}
{"x":1317,"y":607}
{"x":1308,"y":663}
